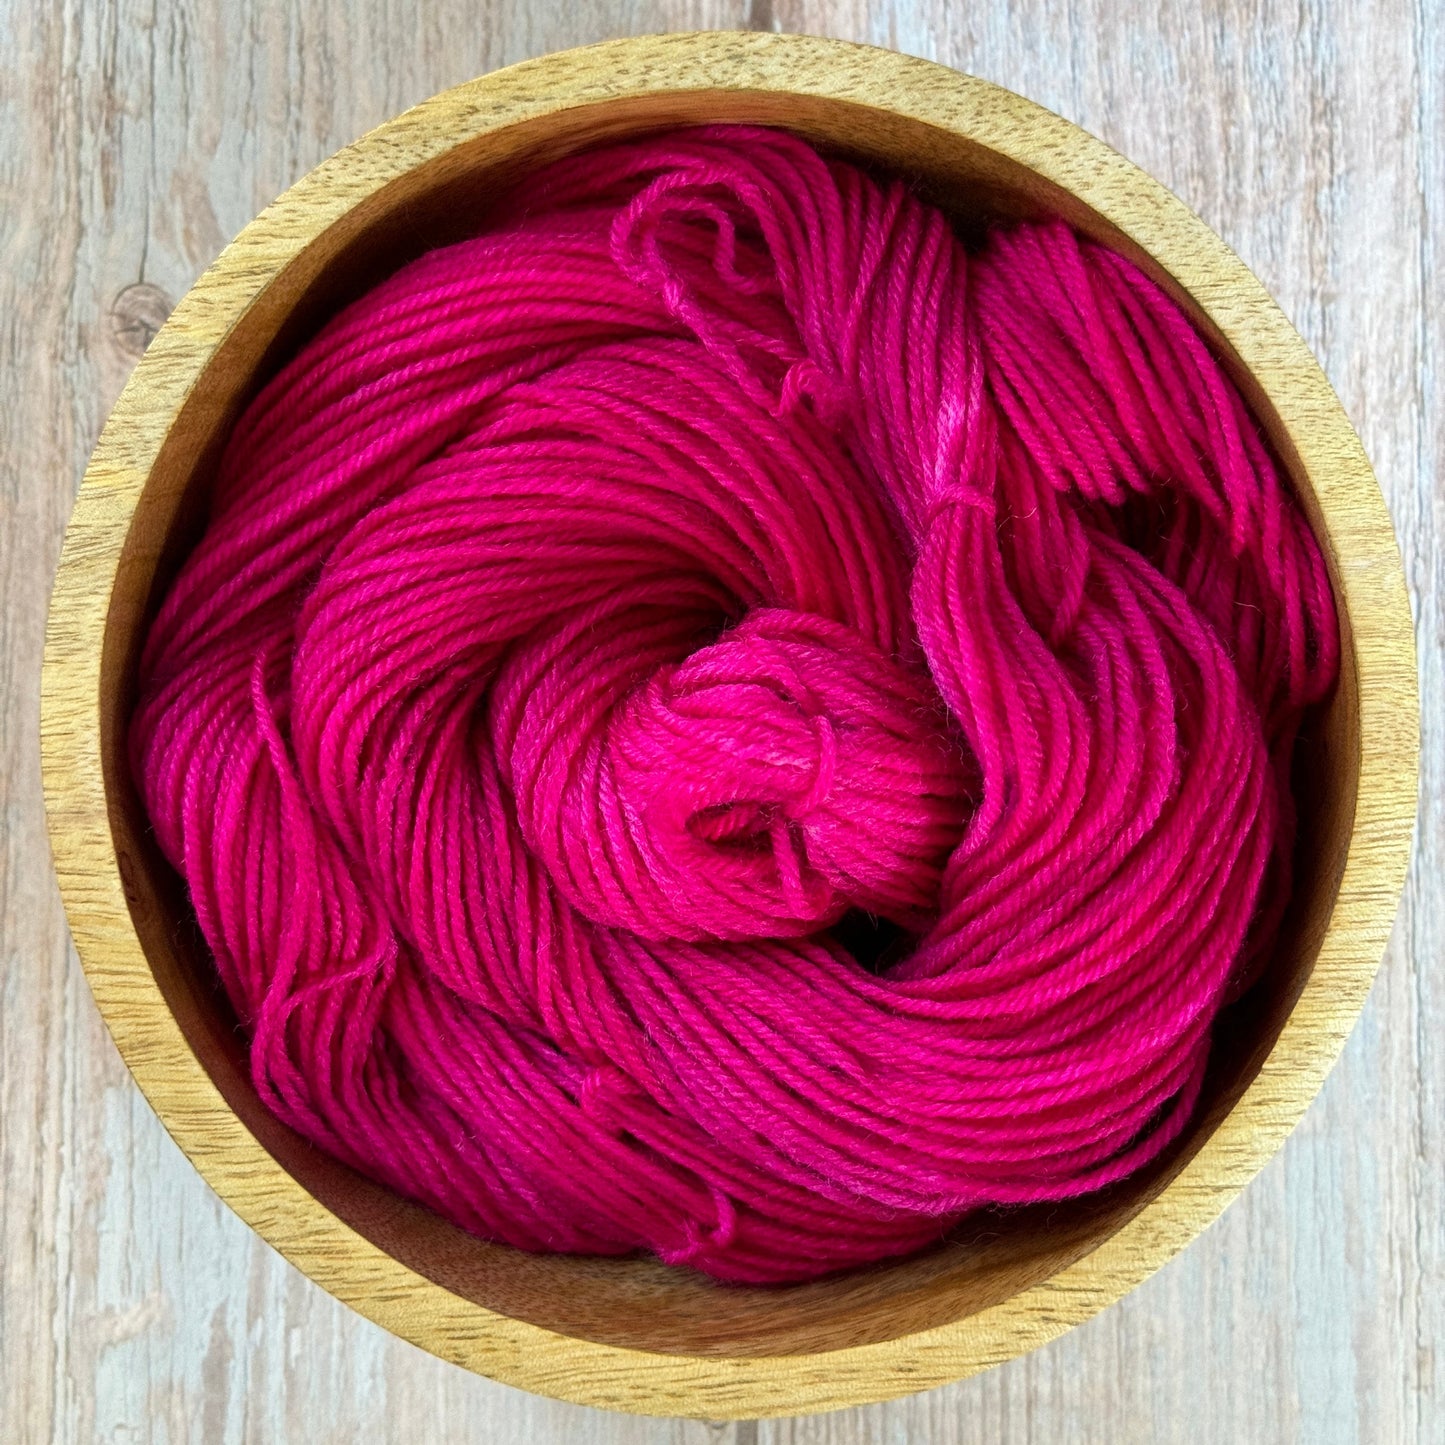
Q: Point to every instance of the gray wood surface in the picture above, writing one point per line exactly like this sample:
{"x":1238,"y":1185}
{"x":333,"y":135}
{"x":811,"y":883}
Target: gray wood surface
{"x":136,"y":136}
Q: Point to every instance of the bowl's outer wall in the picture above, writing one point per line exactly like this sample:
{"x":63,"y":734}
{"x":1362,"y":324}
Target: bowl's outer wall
{"x":554,"y":1323}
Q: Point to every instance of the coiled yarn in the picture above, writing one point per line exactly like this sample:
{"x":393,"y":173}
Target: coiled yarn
{"x":606,"y":621}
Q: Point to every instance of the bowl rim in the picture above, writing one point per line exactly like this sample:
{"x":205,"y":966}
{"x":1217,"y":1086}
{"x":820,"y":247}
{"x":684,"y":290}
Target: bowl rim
{"x":1358,"y":532}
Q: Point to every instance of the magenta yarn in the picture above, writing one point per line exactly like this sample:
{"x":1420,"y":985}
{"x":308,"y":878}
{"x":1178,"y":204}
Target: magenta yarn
{"x":602,"y":615}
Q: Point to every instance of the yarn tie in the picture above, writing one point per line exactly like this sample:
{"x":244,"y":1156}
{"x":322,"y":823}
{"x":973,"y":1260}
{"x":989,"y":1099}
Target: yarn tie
{"x":760,"y":787}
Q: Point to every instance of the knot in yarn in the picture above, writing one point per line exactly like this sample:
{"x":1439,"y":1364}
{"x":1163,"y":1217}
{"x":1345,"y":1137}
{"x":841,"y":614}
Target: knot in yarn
{"x":711,"y":718}
{"x":758,"y":788}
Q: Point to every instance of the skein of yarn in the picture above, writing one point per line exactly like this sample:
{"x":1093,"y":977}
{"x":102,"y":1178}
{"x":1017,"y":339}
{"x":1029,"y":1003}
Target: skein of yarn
{"x":605,"y":622}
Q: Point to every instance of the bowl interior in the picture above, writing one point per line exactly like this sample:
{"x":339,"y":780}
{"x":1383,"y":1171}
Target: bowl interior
{"x":636,"y":1302}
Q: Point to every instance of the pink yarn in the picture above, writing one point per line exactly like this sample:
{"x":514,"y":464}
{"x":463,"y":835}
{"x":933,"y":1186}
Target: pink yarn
{"x":600,"y":611}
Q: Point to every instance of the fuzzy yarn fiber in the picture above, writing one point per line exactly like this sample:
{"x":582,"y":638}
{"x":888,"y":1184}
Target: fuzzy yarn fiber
{"x":606,"y":622}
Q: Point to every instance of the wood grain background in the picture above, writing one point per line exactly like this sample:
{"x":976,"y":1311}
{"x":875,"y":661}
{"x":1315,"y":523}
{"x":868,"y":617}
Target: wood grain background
{"x":135,"y":139}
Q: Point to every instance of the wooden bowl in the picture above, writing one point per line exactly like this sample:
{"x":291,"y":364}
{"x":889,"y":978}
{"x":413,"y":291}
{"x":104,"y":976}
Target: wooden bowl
{"x":633,"y":1334}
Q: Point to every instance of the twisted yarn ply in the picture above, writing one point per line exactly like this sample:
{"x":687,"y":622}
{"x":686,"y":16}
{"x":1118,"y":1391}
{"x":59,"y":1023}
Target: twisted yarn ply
{"x":606,"y":621}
